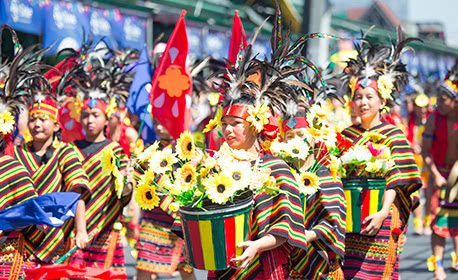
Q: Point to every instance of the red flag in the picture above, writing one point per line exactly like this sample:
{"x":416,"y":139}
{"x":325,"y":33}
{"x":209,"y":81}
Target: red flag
{"x":238,"y":33}
{"x":172,"y":85}
{"x":71,"y":271}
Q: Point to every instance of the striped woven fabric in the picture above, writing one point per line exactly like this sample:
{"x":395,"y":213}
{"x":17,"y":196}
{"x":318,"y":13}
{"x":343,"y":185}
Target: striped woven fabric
{"x":104,"y":209}
{"x":405,"y":177}
{"x":61,"y":173}
{"x":15,"y":187}
{"x":325,"y":213}
{"x":280,"y":215}
{"x":377,"y":257}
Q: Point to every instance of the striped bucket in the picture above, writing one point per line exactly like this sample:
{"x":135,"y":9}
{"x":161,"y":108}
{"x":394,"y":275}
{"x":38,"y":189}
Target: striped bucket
{"x":364,"y":197}
{"x":211,"y":236}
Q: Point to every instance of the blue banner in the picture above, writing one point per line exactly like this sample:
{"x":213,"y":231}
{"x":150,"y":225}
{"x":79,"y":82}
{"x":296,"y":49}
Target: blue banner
{"x":64,"y":23}
{"x":101,"y":27}
{"x":22,"y":15}
{"x":130,"y":30}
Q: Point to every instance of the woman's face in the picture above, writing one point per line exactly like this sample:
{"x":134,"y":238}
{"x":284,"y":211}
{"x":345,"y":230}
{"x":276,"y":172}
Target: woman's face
{"x":238,"y":133}
{"x":293,"y":133}
{"x":445,"y":104}
{"x":113,"y":121}
{"x":368,"y":103}
{"x":42,"y":127}
{"x":93,"y":121}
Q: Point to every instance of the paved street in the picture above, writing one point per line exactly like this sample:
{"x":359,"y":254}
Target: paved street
{"x":413,"y":260}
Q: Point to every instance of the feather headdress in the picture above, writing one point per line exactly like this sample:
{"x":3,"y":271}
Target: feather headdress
{"x":23,"y":81}
{"x":450,"y":84}
{"x":379,"y":67}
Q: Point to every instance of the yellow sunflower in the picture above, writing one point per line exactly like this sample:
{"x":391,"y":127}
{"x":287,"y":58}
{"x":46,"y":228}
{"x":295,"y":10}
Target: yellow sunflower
{"x":186,"y":176}
{"x":146,"y":197}
{"x":148,"y":177}
{"x":258,"y":116}
{"x":240,"y":174}
{"x":311,"y":183}
{"x":270,"y":186}
{"x":6,"y":122}
{"x":148,"y":152}
{"x":185,"y":146}
{"x":219,"y":188}
{"x":107,"y":160}
{"x":385,"y":87}
{"x":374,"y":136}
{"x":162,"y":161}
{"x":210,"y":125}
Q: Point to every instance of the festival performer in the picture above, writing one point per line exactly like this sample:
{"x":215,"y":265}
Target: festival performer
{"x":160,"y":251}
{"x":372,"y":80}
{"x":277,"y":221}
{"x":415,"y":126}
{"x":54,"y":167}
{"x":103,"y":161}
{"x":440,"y":152}
{"x":16,"y":186}
{"x":323,"y":197}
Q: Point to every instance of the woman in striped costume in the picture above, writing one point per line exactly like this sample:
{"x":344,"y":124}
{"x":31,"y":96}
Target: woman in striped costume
{"x":16,"y":186}
{"x":372,"y":83}
{"x":324,"y":210}
{"x":54,"y":167}
{"x":106,"y":166}
{"x":160,"y":251}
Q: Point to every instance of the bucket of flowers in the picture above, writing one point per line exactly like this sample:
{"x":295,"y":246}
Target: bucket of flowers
{"x":211,"y":192}
{"x":364,"y":169}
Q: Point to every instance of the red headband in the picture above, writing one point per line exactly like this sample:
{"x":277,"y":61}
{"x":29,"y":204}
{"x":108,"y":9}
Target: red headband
{"x":95,"y":103}
{"x":293,"y":123}
{"x":372,"y":85}
{"x":236,"y":111}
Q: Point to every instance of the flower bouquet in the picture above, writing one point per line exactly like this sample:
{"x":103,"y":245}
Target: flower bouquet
{"x":213,"y":195}
{"x":363,"y":169}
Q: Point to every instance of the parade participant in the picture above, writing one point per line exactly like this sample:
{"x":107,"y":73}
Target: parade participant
{"x":324,"y":207}
{"x":104,"y":163}
{"x":252,"y":91}
{"x":54,"y":167}
{"x":372,"y":80}
{"x":16,"y":186}
{"x":415,"y":127}
{"x":160,"y":251}
{"x":440,"y":152}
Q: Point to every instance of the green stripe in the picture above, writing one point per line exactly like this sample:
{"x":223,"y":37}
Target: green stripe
{"x":219,"y":243}
{"x":247,"y":226}
{"x":356,"y":211}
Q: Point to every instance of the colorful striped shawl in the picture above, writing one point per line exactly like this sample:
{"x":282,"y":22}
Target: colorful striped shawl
{"x":62,"y":173}
{"x":325,"y":214}
{"x":15,"y":183}
{"x":105,"y":208}
{"x":404,"y":178}
{"x":279,"y":215}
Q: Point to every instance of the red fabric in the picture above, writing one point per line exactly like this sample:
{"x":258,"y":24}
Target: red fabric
{"x":54,"y":75}
{"x":100,"y":105}
{"x":373,"y":84}
{"x":440,"y":141}
{"x":301,"y":123}
{"x":410,"y":127}
{"x":171,"y":90}
{"x":238,"y":33}
{"x":70,"y":123}
{"x":236,"y":111}
{"x":123,"y":142}
{"x":72,"y":271}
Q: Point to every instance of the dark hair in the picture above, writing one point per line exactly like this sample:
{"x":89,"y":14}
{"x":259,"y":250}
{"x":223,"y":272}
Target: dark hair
{"x":2,"y":145}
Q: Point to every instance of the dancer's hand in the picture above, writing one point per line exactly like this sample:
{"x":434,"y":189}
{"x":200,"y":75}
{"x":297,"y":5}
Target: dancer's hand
{"x":251,"y":248}
{"x":81,"y":239}
{"x":374,"y":223}
{"x":439,"y":181}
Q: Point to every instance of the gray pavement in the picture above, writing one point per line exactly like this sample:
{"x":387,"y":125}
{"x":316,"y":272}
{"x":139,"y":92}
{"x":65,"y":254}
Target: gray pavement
{"x":412,"y":266}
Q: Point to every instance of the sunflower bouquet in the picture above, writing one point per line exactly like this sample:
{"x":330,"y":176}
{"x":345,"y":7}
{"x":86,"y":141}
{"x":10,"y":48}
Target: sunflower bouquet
{"x":110,"y":163}
{"x":370,"y":160}
{"x":196,"y":178}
